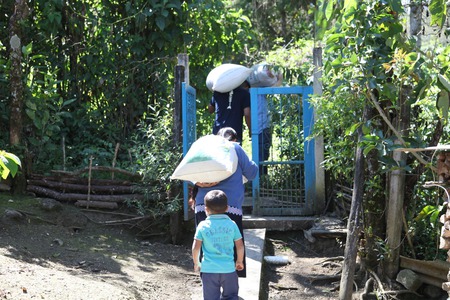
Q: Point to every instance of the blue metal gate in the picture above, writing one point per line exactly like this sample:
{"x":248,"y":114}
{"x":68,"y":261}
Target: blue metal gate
{"x":286,"y":182}
{"x":288,"y":187}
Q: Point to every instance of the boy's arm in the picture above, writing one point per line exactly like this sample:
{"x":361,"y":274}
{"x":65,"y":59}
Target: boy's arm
{"x":240,"y":254}
{"x":196,"y":246}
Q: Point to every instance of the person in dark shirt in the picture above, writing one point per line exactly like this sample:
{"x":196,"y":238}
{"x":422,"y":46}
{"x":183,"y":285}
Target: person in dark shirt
{"x":231,"y":108}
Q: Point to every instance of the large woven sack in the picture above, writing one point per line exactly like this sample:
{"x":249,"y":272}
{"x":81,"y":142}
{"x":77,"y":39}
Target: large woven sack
{"x":226,"y":77}
{"x":211,"y":158}
{"x":262,"y":76}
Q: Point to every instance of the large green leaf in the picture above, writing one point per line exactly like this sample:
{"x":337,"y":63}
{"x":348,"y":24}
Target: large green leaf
{"x":443,"y":104}
{"x":396,"y":6}
{"x":438,"y":10}
{"x":445,"y":83}
{"x":9,"y":164}
{"x":329,"y":8}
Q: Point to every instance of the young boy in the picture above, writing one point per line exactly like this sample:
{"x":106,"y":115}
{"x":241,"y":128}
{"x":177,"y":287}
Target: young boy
{"x":216,"y":237}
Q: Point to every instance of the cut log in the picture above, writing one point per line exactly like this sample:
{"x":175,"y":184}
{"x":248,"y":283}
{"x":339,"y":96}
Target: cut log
{"x":83,"y":188}
{"x":97,"y":204}
{"x":41,"y":191}
{"x":98,"y":168}
{"x":81,"y":180}
{"x":434,"y":268}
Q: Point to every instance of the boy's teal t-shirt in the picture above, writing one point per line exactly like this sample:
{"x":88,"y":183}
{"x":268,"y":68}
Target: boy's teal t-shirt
{"x":218,"y":234}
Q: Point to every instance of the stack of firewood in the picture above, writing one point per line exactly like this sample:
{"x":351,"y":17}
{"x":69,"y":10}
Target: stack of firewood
{"x":443,"y":166}
{"x":443,"y":171}
{"x":86,"y":192}
{"x":445,"y":244}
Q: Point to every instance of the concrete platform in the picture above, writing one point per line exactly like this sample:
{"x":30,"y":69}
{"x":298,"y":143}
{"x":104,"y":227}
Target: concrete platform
{"x":274,"y":223}
{"x":278,"y":223}
{"x":249,"y":287}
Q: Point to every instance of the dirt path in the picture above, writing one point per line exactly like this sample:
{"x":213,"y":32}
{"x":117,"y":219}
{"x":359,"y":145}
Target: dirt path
{"x":42,"y":258}
{"x":62,"y":255}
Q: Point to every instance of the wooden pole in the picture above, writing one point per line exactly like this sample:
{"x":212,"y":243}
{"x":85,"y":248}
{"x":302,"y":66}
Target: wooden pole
{"x":115,"y":159}
{"x":354,"y":225}
{"x":394,"y":223}
{"x":176,"y":217}
{"x":63,"y":146}
{"x":183,"y":60}
{"x":177,"y":122}
{"x":89,"y":181}
{"x":320,"y":201}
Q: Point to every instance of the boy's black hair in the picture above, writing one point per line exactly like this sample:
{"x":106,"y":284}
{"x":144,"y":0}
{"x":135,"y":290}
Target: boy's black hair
{"x":228,"y":133}
{"x":216,"y":201}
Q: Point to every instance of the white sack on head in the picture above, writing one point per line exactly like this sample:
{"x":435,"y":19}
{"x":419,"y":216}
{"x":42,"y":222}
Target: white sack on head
{"x":211,"y":158}
{"x":262,"y":76}
{"x":226,"y":77}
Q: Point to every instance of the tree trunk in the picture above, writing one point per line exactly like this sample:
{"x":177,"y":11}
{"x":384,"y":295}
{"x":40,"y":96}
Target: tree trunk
{"x":394,"y":224}
{"x":15,"y":33}
{"x":374,"y":210}
{"x":21,"y":12}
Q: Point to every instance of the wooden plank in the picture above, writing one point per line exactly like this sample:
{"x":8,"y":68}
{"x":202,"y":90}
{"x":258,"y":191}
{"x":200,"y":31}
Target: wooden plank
{"x":435,"y":268}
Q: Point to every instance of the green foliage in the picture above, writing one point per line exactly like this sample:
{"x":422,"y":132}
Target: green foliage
{"x":366,"y":51}
{"x":214,"y":32}
{"x":94,"y":70}
{"x":430,"y":211}
{"x":438,"y":10}
{"x":9,"y":164}
{"x":156,"y":158}
{"x":284,"y":21}
{"x":367,"y":56}
{"x":46,"y":110}
{"x":293,"y":60}
{"x":425,"y":229}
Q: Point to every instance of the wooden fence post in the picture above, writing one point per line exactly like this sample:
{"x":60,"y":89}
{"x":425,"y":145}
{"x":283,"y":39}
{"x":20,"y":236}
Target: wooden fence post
{"x":354,"y":224}
{"x":320,"y":201}
{"x":176,"y":217}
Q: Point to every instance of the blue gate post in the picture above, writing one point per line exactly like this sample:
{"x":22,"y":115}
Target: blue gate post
{"x":255,"y":148}
{"x":309,"y":149}
{"x":309,"y":146}
{"x":189,"y":120}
